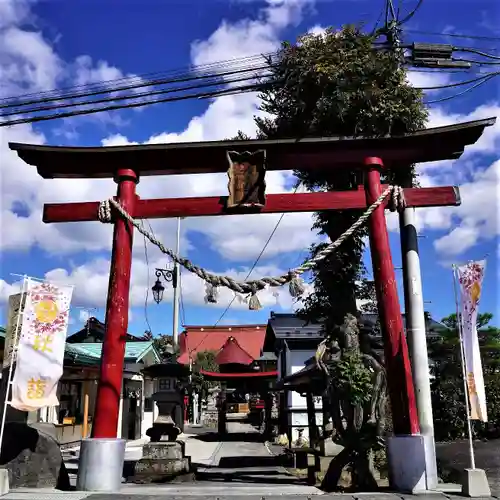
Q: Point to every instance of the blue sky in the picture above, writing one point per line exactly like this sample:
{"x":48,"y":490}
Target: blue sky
{"x":55,"y":44}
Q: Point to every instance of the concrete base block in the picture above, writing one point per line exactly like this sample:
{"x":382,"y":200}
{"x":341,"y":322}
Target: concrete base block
{"x":101,"y":465}
{"x":4,"y":482}
{"x":475,"y":483}
{"x":406,"y":456}
{"x":431,"y":472}
{"x":163,"y":451}
{"x":157,"y":469}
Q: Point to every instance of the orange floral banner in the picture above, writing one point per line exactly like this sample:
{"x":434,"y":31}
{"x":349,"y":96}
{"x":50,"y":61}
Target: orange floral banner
{"x":470,"y":279}
{"x":40,"y":354}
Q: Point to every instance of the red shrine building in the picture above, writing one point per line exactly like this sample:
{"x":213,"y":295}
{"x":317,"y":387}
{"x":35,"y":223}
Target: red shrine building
{"x":238,"y":348}
{"x":244,"y":367}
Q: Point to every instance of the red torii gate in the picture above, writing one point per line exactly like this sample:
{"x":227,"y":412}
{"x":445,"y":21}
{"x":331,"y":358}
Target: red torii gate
{"x":126,"y":163}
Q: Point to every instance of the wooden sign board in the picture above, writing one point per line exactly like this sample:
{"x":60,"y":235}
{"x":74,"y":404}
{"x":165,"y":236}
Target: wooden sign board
{"x":247,"y":186}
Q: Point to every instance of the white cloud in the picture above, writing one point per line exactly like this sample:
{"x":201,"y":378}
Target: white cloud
{"x":91,"y":284}
{"x":478,"y":217}
{"x":222,"y":119}
{"x":83,"y":315}
{"x":421,"y":79}
{"x":316,"y":30}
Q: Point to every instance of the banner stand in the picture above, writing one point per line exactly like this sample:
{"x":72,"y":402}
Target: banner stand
{"x":12,"y":356}
{"x":475,"y":482}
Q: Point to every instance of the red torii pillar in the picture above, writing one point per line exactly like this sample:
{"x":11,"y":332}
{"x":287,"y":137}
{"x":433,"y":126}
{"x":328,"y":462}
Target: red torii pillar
{"x":397,"y":360}
{"x":107,"y":406}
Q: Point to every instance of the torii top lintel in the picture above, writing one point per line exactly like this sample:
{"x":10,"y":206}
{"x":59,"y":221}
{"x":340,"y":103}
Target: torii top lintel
{"x":432,"y":144}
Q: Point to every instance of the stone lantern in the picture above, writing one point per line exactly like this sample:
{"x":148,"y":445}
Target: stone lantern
{"x":163,"y":456}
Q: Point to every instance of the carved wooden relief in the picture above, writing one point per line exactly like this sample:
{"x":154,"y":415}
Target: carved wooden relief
{"x":247,"y":186}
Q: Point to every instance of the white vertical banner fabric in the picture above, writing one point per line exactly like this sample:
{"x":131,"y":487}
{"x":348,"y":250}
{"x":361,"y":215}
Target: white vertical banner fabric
{"x":40,"y":353}
{"x":470,"y":280}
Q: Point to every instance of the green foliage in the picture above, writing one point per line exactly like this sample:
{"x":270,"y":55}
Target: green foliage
{"x":338,"y":85}
{"x":353,"y":380}
{"x":448,"y":401}
{"x":164,"y":345}
{"x":204,"y":360}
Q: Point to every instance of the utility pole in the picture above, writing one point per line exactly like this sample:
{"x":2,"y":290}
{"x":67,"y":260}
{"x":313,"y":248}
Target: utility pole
{"x":423,"y":55}
{"x":417,"y":338}
{"x":176,"y":285}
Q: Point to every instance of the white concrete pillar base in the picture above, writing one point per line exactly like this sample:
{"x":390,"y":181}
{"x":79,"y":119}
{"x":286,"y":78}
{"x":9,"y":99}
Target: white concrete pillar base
{"x":475,"y":484}
{"x":101,"y":465}
{"x":431,"y":473}
{"x":4,"y":482}
{"x":406,"y":456}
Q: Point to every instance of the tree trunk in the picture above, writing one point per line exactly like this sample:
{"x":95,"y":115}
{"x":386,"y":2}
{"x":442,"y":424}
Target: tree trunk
{"x":363,"y":478}
{"x":331,"y":480}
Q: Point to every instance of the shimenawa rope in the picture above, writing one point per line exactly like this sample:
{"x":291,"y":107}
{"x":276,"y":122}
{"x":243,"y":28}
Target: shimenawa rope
{"x":296,"y":285}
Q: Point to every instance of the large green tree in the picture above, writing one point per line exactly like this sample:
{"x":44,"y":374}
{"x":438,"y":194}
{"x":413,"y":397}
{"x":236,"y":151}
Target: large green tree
{"x":340,"y":84}
{"x":448,"y":401}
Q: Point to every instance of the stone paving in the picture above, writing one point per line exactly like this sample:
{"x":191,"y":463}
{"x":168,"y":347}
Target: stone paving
{"x":241,"y":466}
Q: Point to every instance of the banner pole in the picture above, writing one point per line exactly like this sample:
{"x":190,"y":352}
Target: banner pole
{"x":464,"y":374}
{"x":13,"y":355}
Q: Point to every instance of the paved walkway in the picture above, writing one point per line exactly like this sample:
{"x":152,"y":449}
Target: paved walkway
{"x":239,"y":466}
{"x":242,"y":461}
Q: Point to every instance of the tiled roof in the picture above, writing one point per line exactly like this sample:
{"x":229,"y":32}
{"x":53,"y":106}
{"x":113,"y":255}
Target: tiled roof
{"x":198,"y":339}
{"x":291,"y":324}
{"x":92,"y":351}
{"x":233,"y":353}
{"x":94,"y":328}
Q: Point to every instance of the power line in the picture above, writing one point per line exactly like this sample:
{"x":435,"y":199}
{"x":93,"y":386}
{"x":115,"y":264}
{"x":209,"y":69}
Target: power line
{"x":454,"y":35}
{"x":130,"y":87}
{"x":136,"y":96}
{"x":410,"y":15}
{"x":458,"y":84}
{"x":480,"y":82}
{"x":476,"y":51}
{"x":203,"y":95}
{"x":251,"y":63}
{"x":106,"y":85}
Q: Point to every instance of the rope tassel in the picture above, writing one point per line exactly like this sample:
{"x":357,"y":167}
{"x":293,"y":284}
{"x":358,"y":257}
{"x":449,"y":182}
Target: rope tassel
{"x":254,"y":302}
{"x":211,"y":294}
{"x":296,"y":286}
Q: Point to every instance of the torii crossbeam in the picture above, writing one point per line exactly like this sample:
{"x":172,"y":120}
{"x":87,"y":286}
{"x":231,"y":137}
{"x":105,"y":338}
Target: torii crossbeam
{"x":127,"y":163}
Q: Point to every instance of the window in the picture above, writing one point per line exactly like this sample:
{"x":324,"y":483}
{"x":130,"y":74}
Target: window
{"x":165,"y":384}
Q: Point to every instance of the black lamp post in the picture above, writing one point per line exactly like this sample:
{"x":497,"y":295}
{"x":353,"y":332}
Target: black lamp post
{"x":168,"y":275}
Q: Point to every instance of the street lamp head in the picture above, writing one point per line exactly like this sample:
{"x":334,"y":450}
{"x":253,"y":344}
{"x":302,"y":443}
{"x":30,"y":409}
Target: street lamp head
{"x":158,"y":290}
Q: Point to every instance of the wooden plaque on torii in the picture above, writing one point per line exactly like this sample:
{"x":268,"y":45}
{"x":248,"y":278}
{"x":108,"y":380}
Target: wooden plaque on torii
{"x":247,"y":184}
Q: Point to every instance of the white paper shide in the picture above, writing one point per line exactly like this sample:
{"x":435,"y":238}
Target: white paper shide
{"x":470,"y":279}
{"x":42,"y":341}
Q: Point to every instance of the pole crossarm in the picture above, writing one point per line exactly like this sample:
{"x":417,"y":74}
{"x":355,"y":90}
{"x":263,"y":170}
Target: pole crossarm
{"x":275,"y":203}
